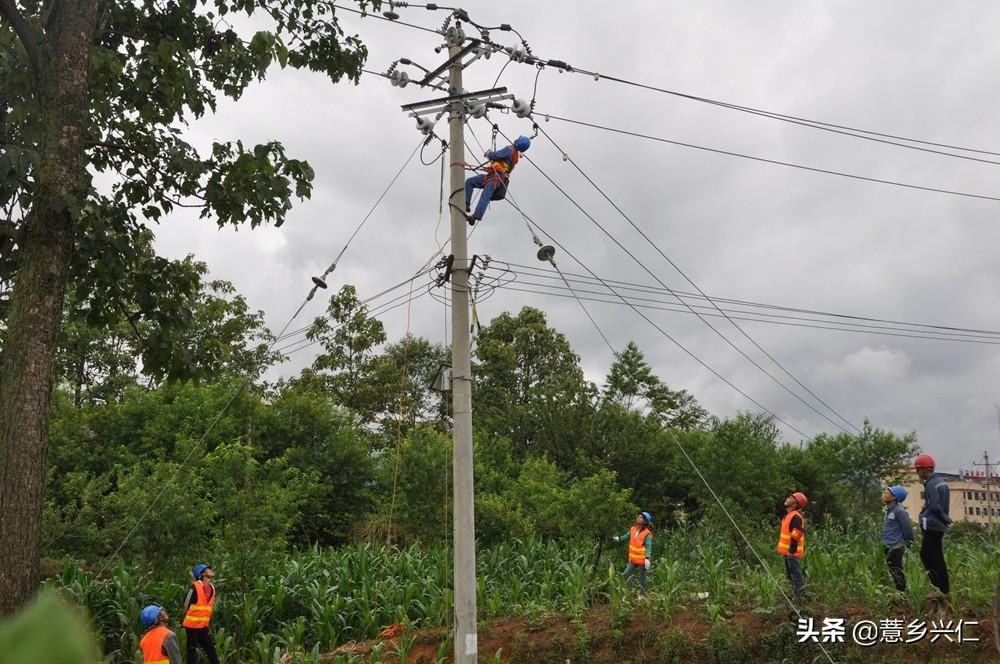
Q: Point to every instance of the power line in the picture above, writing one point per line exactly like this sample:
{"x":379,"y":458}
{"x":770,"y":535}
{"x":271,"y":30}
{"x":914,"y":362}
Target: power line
{"x":674,"y":265}
{"x":638,"y":302}
{"x":665,"y":333}
{"x":765,"y":160}
{"x":844,"y":130}
{"x":652,"y":274}
{"x":946,"y":332}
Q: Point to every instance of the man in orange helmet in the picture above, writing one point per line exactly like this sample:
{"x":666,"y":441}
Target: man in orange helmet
{"x":792,"y":540}
{"x":934,"y":521}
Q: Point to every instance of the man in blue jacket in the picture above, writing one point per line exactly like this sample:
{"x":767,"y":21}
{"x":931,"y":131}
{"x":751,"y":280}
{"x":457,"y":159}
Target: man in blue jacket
{"x":494,"y":181}
{"x":897,"y":533}
{"x":934,"y":521}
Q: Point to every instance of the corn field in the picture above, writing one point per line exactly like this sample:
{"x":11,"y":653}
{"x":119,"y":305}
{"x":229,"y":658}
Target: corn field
{"x":311,"y":601}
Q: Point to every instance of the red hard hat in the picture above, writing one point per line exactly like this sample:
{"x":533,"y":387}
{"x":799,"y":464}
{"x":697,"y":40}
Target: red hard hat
{"x":923,"y":461}
{"x":800,"y":498}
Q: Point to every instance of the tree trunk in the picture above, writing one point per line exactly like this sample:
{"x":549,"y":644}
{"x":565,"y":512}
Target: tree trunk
{"x":36,"y":303}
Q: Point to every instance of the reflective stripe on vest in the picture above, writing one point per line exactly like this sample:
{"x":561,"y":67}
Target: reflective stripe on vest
{"x":200,"y":612}
{"x":637,"y":546}
{"x":152,"y":645}
{"x":785,"y":537}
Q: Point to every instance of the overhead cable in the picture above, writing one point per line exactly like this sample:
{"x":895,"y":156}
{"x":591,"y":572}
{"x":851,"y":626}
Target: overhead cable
{"x":765,"y":160}
{"x":704,"y":320}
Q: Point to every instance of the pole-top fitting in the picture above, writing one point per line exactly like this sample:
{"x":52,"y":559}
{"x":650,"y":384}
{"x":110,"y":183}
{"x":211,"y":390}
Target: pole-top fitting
{"x":454,"y":35}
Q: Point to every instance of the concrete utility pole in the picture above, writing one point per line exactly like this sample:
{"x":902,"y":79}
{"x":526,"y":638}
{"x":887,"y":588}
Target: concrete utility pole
{"x":466,"y":638}
{"x":988,"y":483}
{"x":458,"y":104}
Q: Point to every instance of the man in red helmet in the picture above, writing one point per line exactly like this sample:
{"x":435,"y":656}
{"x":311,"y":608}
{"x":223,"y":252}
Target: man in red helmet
{"x":934,"y":521}
{"x":792,"y":540}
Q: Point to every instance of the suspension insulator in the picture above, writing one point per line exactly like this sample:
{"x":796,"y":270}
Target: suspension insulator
{"x":399,"y":79}
{"x":425,"y":125}
{"x":521,"y":108}
{"x":478,"y":111}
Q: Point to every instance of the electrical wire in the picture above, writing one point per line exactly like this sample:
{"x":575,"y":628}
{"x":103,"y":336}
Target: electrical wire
{"x":658,"y":280}
{"x":687,"y":278}
{"x":845,"y":130}
{"x":667,"y":334}
{"x":672,"y":434}
{"x":651,"y":289}
{"x":766,"y":160}
{"x":638,"y":302}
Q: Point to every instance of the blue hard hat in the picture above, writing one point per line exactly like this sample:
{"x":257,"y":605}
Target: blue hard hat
{"x":648,"y":517}
{"x":522,"y":143}
{"x":149,"y":615}
{"x":898,"y":492}
{"x":198,"y":569}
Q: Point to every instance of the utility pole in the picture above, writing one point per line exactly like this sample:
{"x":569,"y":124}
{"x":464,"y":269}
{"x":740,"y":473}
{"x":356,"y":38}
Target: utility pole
{"x":466,"y":637}
{"x":458,"y":104}
{"x":988,"y":483}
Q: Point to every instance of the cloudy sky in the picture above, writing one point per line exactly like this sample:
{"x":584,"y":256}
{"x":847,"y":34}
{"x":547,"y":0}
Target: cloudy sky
{"x":738,"y":228}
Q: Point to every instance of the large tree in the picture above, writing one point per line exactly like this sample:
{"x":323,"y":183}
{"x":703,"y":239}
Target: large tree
{"x":105,"y":86}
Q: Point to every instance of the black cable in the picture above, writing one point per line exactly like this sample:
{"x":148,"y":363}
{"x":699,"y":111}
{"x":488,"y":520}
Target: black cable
{"x":658,"y":280}
{"x":663,"y":306}
{"x":765,"y":160}
{"x":366,"y":301}
{"x":647,"y":289}
{"x":664,"y":332}
{"x":365,"y":14}
{"x":815,"y":124}
{"x":845,"y":130}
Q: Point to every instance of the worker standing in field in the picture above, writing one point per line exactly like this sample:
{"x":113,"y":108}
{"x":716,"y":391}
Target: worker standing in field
{"x":897,"y":533}
{"x":640,"y":548}
{"x":934,"y":521}
{"x":792,"y":540}
{"x":159,"y":644}
{"x":198,"y":607}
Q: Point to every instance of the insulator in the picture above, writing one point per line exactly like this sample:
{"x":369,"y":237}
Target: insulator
{"x":520,"y":108}
{"x":454,"y":36}
{"x":478,"y":111}
{"x":319,"y":282}
{"x":399,"y":78}
{"x":518,"y":54}
{"x":546,"y":253}
{"x":425,"y":125}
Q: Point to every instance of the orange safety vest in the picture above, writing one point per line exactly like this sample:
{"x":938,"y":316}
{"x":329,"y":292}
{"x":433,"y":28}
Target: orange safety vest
{"x":636,"y":545}
{"x":200,"y":611}
{"x":785,"y":538}
{"x":503,"y":166}
{"x":152,"y":645}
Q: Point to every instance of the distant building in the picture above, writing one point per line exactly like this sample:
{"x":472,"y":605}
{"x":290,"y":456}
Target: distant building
{"x":969,"y":501}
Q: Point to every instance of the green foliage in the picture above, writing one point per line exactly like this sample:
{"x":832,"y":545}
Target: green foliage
{"x":530,"y":387}
{"x":154,"y":67}
{"x":50,"y":631}
{"x":632,"y":384}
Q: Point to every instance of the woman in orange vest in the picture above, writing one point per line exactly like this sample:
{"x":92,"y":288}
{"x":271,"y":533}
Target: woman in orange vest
{"x":640,"y":548}
{"x":159,"y":644}
{"x":198,"y":606}
{"x":792,"y":540}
